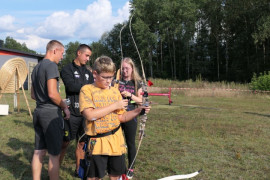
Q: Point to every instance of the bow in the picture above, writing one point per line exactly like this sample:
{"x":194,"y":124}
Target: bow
{"x":145,"y":101}
{"x":143,"y":118}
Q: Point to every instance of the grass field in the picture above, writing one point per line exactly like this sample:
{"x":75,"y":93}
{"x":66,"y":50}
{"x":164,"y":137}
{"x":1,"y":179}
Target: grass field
{"x":227,"y":134}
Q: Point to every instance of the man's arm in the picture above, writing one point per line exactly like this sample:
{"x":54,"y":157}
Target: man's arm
{"x":55,"y":96}
{"x":33,"y":93}
{"x":68,"y":79}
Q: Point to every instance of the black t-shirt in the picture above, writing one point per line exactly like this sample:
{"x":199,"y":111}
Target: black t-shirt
{"x":129,"y":86}
{"x":42,"y":72}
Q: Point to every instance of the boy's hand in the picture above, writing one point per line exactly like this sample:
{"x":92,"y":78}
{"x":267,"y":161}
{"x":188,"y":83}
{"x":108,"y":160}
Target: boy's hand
{"x":146,"y":108}
{"x":122,"y":104}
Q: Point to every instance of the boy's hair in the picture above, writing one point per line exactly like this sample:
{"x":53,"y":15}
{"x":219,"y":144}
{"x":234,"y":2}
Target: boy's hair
{"x":82,"y":48}
{"x":53,"y":44}
{"x":104,"y":64}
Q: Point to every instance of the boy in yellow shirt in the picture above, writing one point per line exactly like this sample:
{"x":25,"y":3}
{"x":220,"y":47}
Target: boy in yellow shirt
{"x":104,"y":110}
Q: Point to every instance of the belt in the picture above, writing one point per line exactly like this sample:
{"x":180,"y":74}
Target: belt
{"x":105,"y":134}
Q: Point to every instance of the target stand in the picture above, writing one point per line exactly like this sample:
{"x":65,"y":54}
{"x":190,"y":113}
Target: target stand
{"x":12,"y":76}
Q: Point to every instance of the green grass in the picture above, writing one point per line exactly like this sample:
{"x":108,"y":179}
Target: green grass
{"x":226,"y":136}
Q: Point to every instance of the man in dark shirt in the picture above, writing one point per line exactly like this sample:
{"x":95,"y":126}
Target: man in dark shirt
{"x":74,"y":76}
{"x":48,"y":121}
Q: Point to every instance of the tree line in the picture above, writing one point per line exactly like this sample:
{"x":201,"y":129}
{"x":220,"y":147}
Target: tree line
{"x":11,"y":43}
{"x":218,"y":40}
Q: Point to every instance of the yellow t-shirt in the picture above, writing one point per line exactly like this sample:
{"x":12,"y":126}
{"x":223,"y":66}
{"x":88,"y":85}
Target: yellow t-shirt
{"x":94,"y":97}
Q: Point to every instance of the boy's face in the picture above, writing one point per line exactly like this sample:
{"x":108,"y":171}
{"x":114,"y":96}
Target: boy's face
{"x":103,"y":80}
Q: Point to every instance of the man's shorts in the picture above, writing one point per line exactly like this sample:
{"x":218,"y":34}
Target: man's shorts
{"x":115,"y":165}
{"x":76,"y":127}
{"x":48,"y":124}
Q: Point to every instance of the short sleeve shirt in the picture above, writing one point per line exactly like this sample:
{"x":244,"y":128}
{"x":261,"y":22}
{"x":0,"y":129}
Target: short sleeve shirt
{"x":94,"y":97}
{"x":42,"y":72}
{"x":129,"y":86}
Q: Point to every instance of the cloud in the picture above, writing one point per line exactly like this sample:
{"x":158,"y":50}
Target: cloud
{"x":78,"y":25}
{"x":82,"y":24}
{"x":123,"y":14}
{"x":7,"y":23}
{"x":34,"y":42}
{"x":59,"y":25}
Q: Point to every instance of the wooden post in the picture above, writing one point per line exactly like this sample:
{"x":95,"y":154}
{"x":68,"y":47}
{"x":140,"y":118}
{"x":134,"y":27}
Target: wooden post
{"x":17,"y":89}
{"x":25,"y":96}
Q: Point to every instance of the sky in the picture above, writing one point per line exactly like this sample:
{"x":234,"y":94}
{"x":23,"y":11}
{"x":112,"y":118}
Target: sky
{"x":36,"y":22}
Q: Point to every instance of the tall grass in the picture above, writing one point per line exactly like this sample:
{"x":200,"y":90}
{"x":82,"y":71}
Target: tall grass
{"x":198,"y":84}
{"x":203,"y":88}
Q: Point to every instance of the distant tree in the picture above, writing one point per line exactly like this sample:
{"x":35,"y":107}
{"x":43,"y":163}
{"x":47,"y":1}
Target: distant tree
{"x":262,"y":35}
{"x":98,"y":49}
{"x":219,"y":40}
{"x":11,"y":43}
{"x":1,"y":43}
{"x":70,"y":53}
{"x":112,"y":42}
{"x":109,"y":44}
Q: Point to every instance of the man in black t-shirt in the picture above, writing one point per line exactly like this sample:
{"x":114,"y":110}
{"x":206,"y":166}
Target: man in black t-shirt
{"x":74,"y":76}
{"x":48,"y":120}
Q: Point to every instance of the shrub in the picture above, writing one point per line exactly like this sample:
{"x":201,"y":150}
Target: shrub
{"x":261,"y":82}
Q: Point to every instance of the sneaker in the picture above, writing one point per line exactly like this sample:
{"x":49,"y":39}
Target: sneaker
{"x":130,"y":173}
{"x":123,"y":177}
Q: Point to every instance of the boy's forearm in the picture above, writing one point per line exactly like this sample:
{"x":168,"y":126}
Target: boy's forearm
{"x":129,"y":115}
{"x":93,"y":114}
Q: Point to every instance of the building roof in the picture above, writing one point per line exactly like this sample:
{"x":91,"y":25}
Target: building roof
{"x":38,"y":56}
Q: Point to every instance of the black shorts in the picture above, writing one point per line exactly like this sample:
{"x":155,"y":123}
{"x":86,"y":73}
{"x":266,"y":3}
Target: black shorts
{"x":48,"y":124}
{"x":115,"y":165}
{"x":75,"y":124}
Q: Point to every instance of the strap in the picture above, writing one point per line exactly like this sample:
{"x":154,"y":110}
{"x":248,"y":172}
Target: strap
{"x":105,"y":134}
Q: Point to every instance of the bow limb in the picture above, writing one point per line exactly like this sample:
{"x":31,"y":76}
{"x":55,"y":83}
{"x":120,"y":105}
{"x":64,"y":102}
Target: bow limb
{"x":144,"y":79}
{"x":183,"y":176}
{"x":117,"y":79}
{"x":122,"y":57}
{"x":118,"y":74}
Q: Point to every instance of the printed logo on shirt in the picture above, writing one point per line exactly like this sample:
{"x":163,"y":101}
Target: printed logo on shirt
{"x":127,"y":88}
{"x":76,"y":105}
{"x":77,"y":75}
{"x":87,"y":76}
